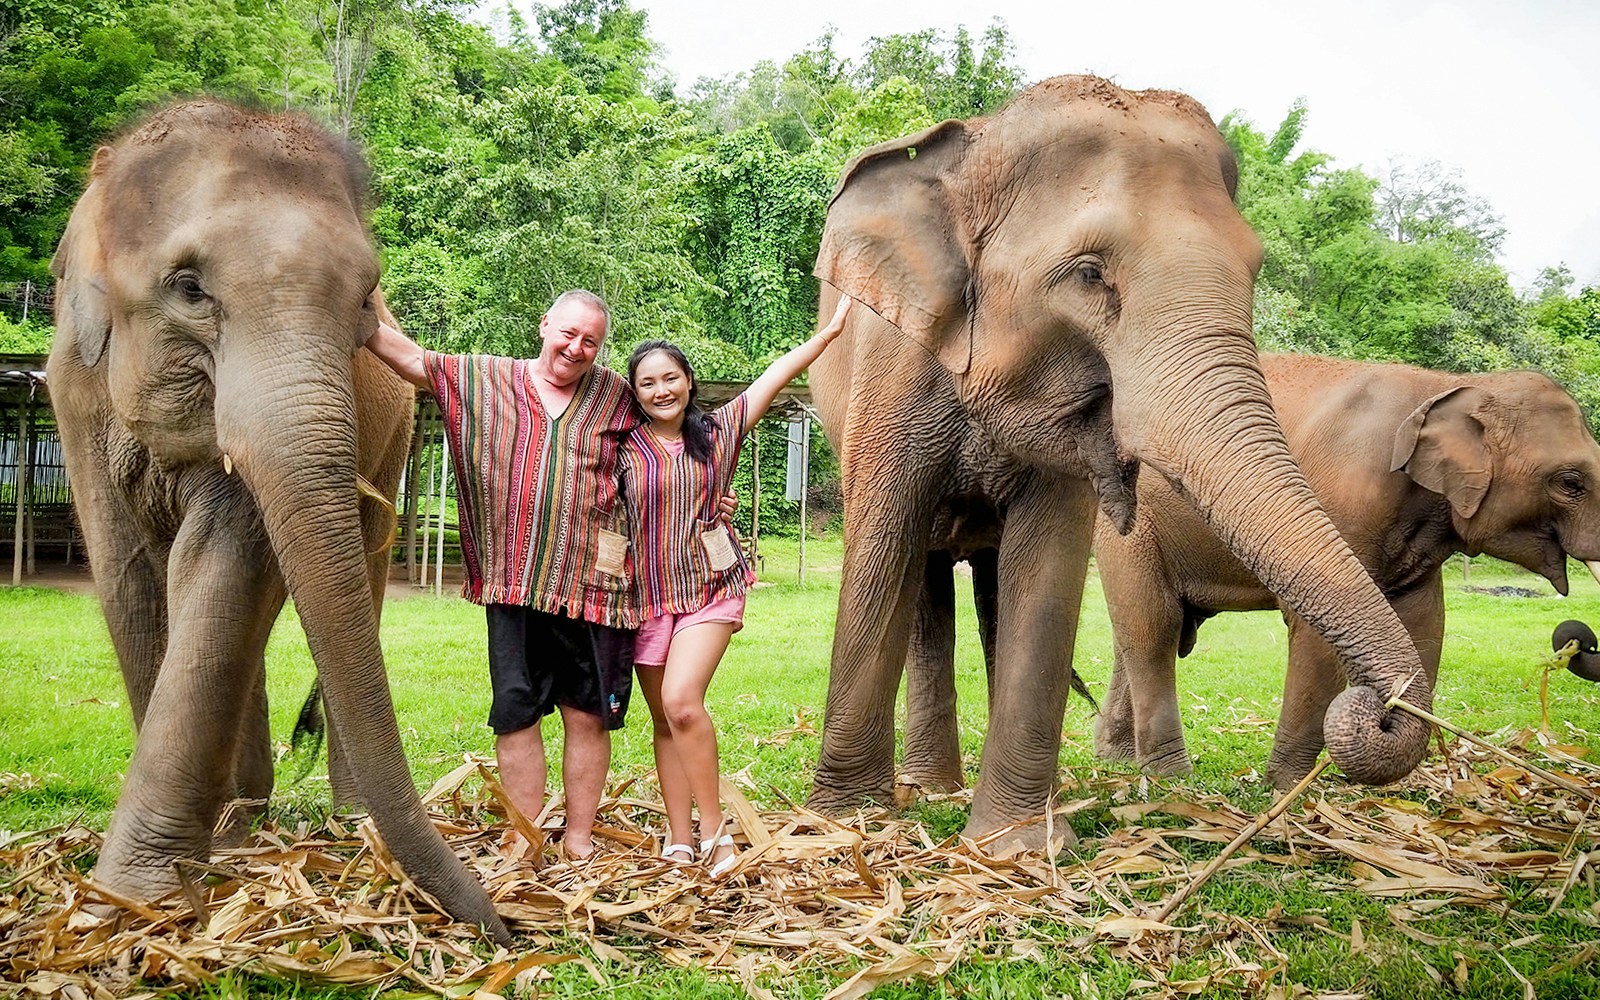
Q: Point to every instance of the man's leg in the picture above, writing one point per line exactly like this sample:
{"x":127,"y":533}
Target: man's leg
{"x":520,"y":699}
{"x":585,"y":761}
{"x":520,"y":755}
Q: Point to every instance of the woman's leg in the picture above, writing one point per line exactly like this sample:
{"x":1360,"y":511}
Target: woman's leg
{"x":669,"y":770}
{"x":691,"y":661}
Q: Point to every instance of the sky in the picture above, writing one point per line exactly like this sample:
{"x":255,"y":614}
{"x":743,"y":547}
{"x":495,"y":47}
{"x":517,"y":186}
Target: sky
{"x":1506,"y":92}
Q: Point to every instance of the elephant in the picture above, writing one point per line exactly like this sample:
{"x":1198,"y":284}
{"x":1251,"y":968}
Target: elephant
{"x":1056,"y":294}
{"x":218,"y":418}
{"x":1584,"y":660}
{"x":1412,"y":466}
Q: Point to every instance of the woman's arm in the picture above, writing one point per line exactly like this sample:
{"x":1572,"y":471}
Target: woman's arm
{"x":394,"y":348}
{"x":764,"y":390}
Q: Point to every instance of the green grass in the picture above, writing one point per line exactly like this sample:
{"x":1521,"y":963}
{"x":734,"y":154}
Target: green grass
{"x":65,"y":725}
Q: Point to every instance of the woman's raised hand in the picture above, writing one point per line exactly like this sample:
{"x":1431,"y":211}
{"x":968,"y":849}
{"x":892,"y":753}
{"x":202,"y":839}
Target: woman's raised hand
{"x":836,"y":324}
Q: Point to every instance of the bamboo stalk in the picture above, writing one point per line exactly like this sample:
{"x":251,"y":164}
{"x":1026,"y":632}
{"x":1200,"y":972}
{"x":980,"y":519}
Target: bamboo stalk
{"x":1260,"y":823}
{"x":1550,"y":776}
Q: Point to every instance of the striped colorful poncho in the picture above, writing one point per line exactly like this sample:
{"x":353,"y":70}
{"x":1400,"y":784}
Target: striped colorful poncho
{"x":535,"y":491}
{"x":671,"y":498}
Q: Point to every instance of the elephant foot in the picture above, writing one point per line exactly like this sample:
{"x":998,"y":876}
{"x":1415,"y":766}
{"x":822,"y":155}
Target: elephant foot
{"x":1283,"y":773}
{"x":938,"y":780}
{"x":1167,"y":763}
{"x":237,"y":820}
{"x":841,"y":802}
{"x":1113,"y":740}
{"x":1005,"y":837}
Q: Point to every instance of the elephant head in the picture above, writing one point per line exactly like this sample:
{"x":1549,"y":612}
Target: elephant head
{"x":215,"y":279}
{"x":1077,"y":262}
{"x":1513,"y":455}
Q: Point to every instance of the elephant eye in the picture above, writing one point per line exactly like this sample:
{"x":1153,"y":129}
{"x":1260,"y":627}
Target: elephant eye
{"x":1090,"y":274}
{"x":187,"y":284}
{"x":1570,"y":483}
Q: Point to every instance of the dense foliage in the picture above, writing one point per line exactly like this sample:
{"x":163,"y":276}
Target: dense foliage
{"x":517,"y":158}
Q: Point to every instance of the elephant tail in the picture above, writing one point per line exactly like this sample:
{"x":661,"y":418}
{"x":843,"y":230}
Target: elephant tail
{"x":309,"y":729}
{"x":1079,"y":686}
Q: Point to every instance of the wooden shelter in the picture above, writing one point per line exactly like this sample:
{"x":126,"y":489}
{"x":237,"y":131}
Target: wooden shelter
{"x":35,"y":500}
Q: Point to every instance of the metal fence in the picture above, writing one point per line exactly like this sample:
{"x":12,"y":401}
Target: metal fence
{"x":22,"y":300}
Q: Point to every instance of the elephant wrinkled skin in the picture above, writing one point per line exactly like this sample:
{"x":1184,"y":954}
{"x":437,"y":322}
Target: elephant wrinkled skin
{"x":215,"y":410}
{"x":1057,"y":293}
{"x":1412,"y":466}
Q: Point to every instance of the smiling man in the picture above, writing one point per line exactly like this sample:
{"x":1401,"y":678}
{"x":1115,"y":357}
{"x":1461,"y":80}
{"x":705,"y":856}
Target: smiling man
{"x":534,"y":446}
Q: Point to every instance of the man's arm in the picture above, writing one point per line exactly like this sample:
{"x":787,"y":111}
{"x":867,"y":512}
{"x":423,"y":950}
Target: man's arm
{"x":395,"y":349}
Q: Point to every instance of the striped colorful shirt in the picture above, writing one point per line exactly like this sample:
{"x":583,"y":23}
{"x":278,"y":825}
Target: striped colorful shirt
{"x":535,"y":491}
{"x":671,"y":499}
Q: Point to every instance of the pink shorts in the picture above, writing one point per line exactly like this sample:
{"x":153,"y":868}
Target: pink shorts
{"x":655,"y":635}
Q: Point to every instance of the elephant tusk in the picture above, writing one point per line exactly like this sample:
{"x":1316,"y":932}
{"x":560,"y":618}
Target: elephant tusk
{"x":227,"y":464}
{"x":1594,"y":568}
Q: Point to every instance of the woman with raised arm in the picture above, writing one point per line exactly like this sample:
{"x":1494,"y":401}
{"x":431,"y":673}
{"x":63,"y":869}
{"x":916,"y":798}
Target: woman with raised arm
{"x":689,"y":573}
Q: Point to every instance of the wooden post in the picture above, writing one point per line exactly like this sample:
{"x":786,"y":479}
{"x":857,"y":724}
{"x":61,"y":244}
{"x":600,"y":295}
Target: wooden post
{"x":755,"y":501}
{"x":422,"y":578}
{"x":27,"y":485}
{"x":413,"y":469}
{"x":805,"y":484}
{"x":19,"y":491}
{"x":444,"y":491}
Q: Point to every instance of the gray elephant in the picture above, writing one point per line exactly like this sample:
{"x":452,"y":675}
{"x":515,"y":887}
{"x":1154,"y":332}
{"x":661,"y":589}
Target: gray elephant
{"x":1413,"y":466}
{"x":217,"y":417}
{"x":1058,"y":293}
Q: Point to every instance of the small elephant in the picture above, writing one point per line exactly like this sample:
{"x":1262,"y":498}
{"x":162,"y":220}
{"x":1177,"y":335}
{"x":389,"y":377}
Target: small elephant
{"x":1056,"y":293}
{"x":1585,"y":658}
{"x":1412,"y":466}
{"x":218,"y":418}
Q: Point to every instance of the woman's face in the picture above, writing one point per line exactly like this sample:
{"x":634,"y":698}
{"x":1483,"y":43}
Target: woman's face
{"x":662,"y":387}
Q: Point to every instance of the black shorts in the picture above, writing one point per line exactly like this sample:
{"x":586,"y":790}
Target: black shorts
{"x":538,"y":660}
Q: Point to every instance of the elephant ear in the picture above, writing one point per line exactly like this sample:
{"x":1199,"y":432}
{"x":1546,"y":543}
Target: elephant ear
{"x":83,"y":313}
{"x":896,"y":241}
{"x":1441,"y":446}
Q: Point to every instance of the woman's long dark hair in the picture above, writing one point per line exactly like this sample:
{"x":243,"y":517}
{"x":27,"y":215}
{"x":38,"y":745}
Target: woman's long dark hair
{"x":696,"y":425}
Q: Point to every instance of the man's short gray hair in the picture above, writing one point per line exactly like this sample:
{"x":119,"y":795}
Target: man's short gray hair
{"x":587,"y":298}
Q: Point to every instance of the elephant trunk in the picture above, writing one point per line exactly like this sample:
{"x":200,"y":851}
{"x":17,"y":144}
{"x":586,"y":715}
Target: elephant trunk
{"x":286,"y":423}
{"x":1200,"y":413}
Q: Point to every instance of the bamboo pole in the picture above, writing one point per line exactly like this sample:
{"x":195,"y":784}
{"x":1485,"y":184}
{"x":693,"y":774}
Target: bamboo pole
{"x":1529,"y":766}
{"x":1260,"y":823}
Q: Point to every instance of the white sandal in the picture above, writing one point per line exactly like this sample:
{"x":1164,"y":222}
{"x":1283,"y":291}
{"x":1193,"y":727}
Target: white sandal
{"x":708,"y":847}
{"x":678,"y":854}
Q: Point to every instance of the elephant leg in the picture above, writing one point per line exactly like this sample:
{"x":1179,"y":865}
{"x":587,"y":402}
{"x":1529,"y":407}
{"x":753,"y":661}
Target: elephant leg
{"x":253,"y":766}
{"x":985,"y":565}
{"x":933,"y":741}
{"x":129,"y":564}
{"x":1316,"y":676}
{"x":888,"y":519}
{"x":1113,"y":726}
{"x":220,"y":578}
{"x":1142,"y":711}
{"x":1044,"y":556}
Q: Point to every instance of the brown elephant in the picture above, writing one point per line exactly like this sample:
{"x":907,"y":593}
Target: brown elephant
{"x":217,"y":417}
{"x":1058,"y":292}
{"x":1412,"y":466}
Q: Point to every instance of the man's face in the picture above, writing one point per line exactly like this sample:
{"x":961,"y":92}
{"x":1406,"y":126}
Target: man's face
{"x":573,"y":333}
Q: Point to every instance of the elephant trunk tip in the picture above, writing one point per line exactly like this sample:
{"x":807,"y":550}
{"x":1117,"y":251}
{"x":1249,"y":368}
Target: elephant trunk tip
{"x":1575,"y":645}
{"x":1371,"y":743}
